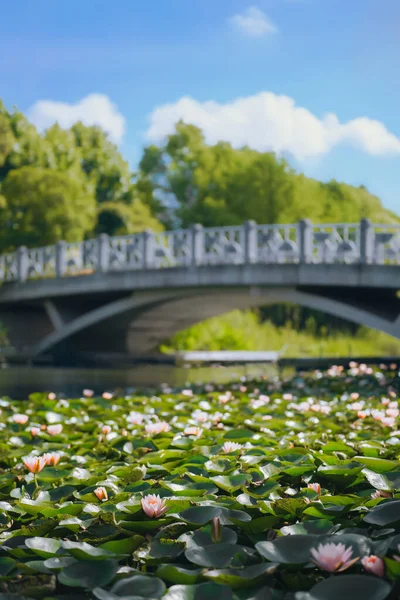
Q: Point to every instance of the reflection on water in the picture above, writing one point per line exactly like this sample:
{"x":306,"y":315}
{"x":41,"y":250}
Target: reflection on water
{"x":18,"y":382}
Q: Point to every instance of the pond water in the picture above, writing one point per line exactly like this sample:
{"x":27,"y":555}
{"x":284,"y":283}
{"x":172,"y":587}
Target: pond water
{"x":19,"y":381}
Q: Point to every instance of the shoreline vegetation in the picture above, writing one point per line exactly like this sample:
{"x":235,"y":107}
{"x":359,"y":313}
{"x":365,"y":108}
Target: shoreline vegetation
{"x":244,"y":330}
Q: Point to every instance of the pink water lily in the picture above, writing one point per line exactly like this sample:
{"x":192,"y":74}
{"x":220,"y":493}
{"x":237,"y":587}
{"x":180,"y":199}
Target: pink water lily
{"x":135,"y":418}
{"x":153,"y":506}
{"x":51,"y":396}
{"x":380,"y":494}
{"x":107,"y":395}
{"x":52,"y":458}
{"x":193,"y":431}
{"x":88,"y":393}
{"x":333,"y":557}
{"x":101,"y":493}
{"x":21,"y":419}
{"x":155,"y":428}
{"x":231,"y":447}
{"x":35,"y":431}
{"x":34,"y":464}
{"x":373,"y":564}
{"x":106,"y":429}
{"x":54,"y":429}
{"x":315,"y":486}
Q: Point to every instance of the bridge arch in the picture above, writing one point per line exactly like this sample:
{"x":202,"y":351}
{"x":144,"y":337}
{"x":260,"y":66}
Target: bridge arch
{"x":145,"y":319}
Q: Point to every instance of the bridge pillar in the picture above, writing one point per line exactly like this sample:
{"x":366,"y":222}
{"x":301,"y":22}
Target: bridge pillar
{"x":366,"y":241}
{"x":197,"y":245}
{"x":22,"y":263}
{"x":148,"y":249}
{"x":60,"y":258}
{"x":103,"y":256}
{"x":305,"y":240}
{"x":250,"y":242}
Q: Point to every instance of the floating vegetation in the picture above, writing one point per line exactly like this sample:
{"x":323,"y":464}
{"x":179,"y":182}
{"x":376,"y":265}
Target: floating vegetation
{"x":276,"y":490}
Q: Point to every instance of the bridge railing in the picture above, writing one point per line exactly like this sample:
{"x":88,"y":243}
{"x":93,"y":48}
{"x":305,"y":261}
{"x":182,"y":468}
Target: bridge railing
{"x":302,"y":242}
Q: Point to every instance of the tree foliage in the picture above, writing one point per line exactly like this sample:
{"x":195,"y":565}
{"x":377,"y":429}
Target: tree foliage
{"x":42,"y":206}
{"x":82,"y":185}
{"x":187,"y":181}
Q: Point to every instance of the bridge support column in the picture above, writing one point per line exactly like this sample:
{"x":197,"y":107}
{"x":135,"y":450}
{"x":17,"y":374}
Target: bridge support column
{"x":22,"y":263}
{"x":60,"y":258}
{"x":305,"y":240}
{"x":103,"y":253}
{"x":366,"y":241}
{"x":250,"y":242}
{"x":197,"y":245}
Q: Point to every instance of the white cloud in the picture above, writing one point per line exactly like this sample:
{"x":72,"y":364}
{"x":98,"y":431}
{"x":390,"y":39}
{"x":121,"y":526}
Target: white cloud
{"x":94,"y":109}
{"x":267,"y":121}
{"x":253,"y":23}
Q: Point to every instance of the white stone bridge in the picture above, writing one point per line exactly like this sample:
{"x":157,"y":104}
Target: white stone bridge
{"x":124,"y":295}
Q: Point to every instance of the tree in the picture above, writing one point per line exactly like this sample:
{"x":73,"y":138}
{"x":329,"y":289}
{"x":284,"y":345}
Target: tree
{"x":116,"y":218}
{"x":43,"y":206}
{"x":186,"y":181}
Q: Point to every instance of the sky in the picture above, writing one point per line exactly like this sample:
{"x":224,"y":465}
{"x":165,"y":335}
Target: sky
{"x":317,"y":81}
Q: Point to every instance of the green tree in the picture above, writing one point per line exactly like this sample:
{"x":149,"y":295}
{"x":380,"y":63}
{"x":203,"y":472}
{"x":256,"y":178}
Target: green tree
{"x":186,"y":181}
{"x":43,"y":206}
{"x":116,"y":218}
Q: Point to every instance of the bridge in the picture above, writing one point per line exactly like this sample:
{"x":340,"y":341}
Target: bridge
{"x":124,"y":295}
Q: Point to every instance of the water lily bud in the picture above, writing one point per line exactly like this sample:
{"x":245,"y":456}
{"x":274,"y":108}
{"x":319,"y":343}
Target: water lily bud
{"x":216,"y":530}
{"x":373,"y":564}
{"x":101,"y":493}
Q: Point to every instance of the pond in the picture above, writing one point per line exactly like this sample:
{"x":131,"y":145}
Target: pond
{"x":19,"y":381}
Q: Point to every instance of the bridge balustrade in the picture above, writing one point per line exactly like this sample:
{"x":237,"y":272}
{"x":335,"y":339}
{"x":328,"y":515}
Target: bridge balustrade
{"x":302,"y":242}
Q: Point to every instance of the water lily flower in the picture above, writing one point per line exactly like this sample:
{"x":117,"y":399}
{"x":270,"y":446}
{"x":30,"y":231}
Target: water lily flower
{"x":106,"y":429}
{"x":51,"y":396}
{"x":153,"y":505}
{"x":333,"y":557}
{"x":135,"y":418}
{"x":355,"y":395}
{"x":21,"y":419}
{"x":52,"y":458}
{"x":88,"y":393}
{"x":231,"y":447}
{"x":315,"y":486}
{"x":35,"y":431}
{"x":101,"y":493}
{"x":380,"y":494}
{"x":373,"y":564}
{"x":34,"y":464}
{"x":200,"y":415}
{"x":392,"y":412}
{"x":187,"y":393}
{"x":54,"y":429}
{"x":287,"y":397}
{"x":107,"y":395}
{"x":388,"y":421}
{"x":193,"y":431}
{"x":159,"y":427}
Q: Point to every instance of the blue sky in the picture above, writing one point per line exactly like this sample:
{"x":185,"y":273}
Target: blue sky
{"x":130,"y":64}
